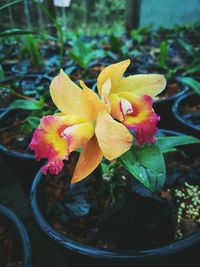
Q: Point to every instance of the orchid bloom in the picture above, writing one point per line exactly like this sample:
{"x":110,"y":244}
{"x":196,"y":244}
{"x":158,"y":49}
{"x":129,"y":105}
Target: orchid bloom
{"x":130,"y":99}
{"x":83,"y":122}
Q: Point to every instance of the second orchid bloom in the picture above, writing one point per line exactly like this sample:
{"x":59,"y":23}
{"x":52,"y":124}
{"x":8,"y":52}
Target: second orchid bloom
{"x":130,"y":99}
{"x":99,"y":126}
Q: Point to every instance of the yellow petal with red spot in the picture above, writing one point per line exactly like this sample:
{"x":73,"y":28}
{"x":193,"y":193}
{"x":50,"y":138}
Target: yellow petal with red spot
{"x":114,"y":139}
{"x":68,"y":97}
{"x":143,"y":119}
{"x":143,"y":84}
{"x":113,"y":72}
{"x":89,"y":159}
{"x":56,"y":137}
{"x":93,"y":101}
{"x":78,"y":135}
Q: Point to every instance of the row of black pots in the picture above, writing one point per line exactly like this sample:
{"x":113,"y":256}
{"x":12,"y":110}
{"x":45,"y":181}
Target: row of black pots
{"x":81,"y":254}
{"x":19,"y":236}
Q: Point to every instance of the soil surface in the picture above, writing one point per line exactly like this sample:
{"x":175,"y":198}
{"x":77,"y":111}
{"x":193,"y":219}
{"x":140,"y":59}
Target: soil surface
{"x":191,"y":113}
{"x":9,"y":254}
{"x":137,"y":219}
{"x":172,"y":89}
{"x":12,"y":135}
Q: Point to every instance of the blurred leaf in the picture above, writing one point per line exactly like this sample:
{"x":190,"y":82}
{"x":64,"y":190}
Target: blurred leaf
{"x":34,"y":51}
{"x":189,"y":48}
{"x":136,"y":36}
{"x":33,"y":121}
{"x":147,"y":165}
{"x":163,"y":53}
{"x":1,"y":73}
{"x":14,"y":32}
{"x":26,"y":104}
{"x":10,"y":4}
{"x":168,"y":143}
{"x":193,"y":68}
{"x":192,"y":83}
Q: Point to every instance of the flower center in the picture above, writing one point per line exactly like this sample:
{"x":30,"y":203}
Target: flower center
{"x":126,"y":106}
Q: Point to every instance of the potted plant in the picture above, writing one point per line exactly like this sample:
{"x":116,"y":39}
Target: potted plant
{"x":15,"y":249}
{"x":17,"y":124}
{"x":118,"y":214}
{"x":186,"y":109}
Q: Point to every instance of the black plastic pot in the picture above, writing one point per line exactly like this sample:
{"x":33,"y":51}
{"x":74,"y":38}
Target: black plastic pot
{"x":183,"y":124}
{"x":178,"y":252}
{"x":23,"y":165}
{"x":163,"y":107}
{"x":19,"y":234}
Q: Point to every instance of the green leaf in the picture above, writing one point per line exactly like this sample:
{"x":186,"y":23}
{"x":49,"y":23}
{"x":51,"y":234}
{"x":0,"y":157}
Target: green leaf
{"x":26,"y":104}
{"x":33,"y":121}
{"x":168,"y":143}
{"x":147,"y":165}
{"x":14,"y":32}
{"x":193,"y":68}
{"x":192,"y":83}
{"x":163,"y":53}
{"x":34,"y":51}
{"x":10,"y":4}
{"x":189,"y":48}
{"x":1,"y":73}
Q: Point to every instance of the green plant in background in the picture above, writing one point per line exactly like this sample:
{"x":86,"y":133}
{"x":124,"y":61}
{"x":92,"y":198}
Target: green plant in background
{"x":83,"y":53}
{"x":192,"y":83}
{"x":61,"y":36}
{"x":31,"y":46}
{"x":35,"y":109}
{"x":163,"y":55}
{"x":138,"y":35}
{"x":1,"y":73}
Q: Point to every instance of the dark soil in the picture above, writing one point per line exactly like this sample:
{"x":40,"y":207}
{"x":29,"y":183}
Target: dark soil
{"x":191,"y":114}
{"x":12,"y":135}
{"x":9,"y":254}
{"x":91,"y":73}
{"x":139,"y":218}
{"x":171,"y":90}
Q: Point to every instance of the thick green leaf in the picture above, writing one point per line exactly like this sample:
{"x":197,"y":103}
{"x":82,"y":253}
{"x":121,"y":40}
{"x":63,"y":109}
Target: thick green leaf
{"x":146,"y":165}
{"x":1,"y":73}
{"x":163,"y":53}
{"x":192,"y":83}
{"x":168,"y":143}
{"x":26,"y":104}
{"x":33,"y":121}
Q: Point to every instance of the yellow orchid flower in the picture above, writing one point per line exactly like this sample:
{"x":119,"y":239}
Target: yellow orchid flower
{"x":129,"y":99}
{"x":83,"y":122}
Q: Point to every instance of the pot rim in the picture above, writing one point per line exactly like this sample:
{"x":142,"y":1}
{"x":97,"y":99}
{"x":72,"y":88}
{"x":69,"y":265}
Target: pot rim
{"x":101,"y":253}
{"x":21,"y":229}
{"x":175,"y":109}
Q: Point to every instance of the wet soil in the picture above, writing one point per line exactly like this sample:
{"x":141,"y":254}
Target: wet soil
{"x":137,"y":219}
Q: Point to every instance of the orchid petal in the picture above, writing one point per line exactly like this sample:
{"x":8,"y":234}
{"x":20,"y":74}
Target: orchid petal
{"x":113,"y":72}
{"x":68,"y":97}
{"x":116,"y":109}
{"x":114,"y":139}
{"x":143,"y":119}
{"x":143,"y":84}
{"x":94,"y":102}
{"x":56,"y":137}
{"x":89,"y":159}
